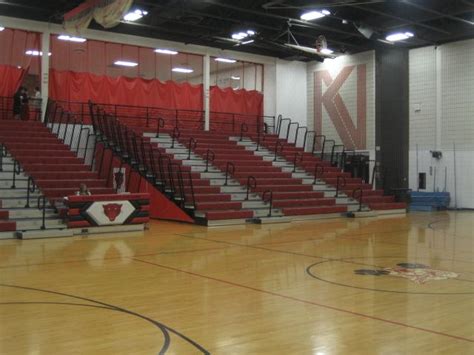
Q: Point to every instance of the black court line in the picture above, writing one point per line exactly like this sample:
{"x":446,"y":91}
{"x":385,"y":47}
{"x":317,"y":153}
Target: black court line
{"x":164,"y":329}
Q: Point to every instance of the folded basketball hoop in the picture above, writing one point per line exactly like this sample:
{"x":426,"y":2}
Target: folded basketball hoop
{"x":107,"y":13}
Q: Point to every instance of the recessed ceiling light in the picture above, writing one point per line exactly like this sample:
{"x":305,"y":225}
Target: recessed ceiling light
{"x":182,"y":70}
{"x":165,"y":51}
{"x":399,"y":36}
{"x":71,"y":39}
{"x":225,"y":60}
{"x":124,"y":63}
{"x":240,"y":35}
{"x":135,"y":15}
{"x":248,"y":42}
{"x":314,"y":15}
{"x":35,"y":53}
{"x":327,"y":51}
{"x":251,"y":32}
{"x":1,"y":28}
{"x":234,"y":77}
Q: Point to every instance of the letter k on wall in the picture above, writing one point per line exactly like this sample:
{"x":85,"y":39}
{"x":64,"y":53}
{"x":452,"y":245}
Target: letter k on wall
{"x":351,"y":136}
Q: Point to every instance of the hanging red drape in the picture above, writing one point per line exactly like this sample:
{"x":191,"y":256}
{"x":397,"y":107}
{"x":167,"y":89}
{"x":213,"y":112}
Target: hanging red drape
{"x":230,"y":108}
{"x":11,"y":79}
{"x":81,"y":87}
{"x":14,"y":44}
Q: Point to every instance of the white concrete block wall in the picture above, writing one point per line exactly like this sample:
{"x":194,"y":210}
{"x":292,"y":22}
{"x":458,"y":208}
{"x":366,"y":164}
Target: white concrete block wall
{"x":348,"y":93}
{"x":442,"y":114}
{"x":291,"y":93}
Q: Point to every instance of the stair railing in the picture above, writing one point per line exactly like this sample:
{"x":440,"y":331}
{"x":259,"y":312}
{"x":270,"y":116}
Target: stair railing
{"x":2,"y":154}
{"x":305,"y":139}
{"x":280,"y":125}
{"x":298,"y":158}
{"x":360,"y":197}
{"x":160,"y":124}
{"x":335,"y":157}
{"x":268,"y":193}
{"x":42,"y":207}
{"x":175,"y":136}
{"x":333,"y":142}
{"x":229,"y":171}
{"x":323,"y":144}
{"x":161,"y":160}
{"x":210,"y":157}
{"x":16,"y":171}
{"x":297,"y":135}
{"x":191,"y":186}
{"x":244,"y":128}
{"x":318,"y":168}
{"x":288,"y":130}
{"x":340,"y":185}
{"x":31,"y":188}
{"x":251,"y":184}
{"x":191,"y":146}
{"x":278,"y":147}
{"x":68,"y":114}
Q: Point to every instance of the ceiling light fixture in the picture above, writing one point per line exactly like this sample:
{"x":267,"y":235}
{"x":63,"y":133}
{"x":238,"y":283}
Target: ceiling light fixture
{"x":233,"y":77}
{"x":239,"y":35}
{"x":225,"y":60}
{"x":182,"y":70}
{"x":135,"y":15}
{"x":165,"y":51}
{"x":248,"y":42}
{"x":314,"y":15}
{"x":35,"y":53}
{"x":71,"y":39}
{"x":327,"y":51}
{"x":124,"y":63}
{"x":399,"y":36}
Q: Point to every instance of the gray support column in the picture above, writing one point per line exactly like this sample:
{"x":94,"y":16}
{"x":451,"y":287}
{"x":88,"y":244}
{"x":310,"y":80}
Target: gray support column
{"x":206,"y":72}
{"x":45,"y":48}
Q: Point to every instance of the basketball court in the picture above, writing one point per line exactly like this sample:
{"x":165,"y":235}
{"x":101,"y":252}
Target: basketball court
{"x":236,"y":177}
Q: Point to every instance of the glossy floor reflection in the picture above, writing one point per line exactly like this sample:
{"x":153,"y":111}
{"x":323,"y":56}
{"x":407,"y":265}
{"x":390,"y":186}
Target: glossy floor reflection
{"x":346,"y":286}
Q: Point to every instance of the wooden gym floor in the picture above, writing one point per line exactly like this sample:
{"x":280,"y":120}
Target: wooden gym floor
{"x":326,"y":287}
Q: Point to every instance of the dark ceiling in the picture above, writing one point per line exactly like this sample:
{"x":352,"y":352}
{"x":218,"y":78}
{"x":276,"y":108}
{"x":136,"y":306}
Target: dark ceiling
{"x":211,"y":22}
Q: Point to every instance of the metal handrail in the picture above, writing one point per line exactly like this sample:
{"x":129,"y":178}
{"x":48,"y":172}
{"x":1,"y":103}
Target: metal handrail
{"x":336,"y":162}
{"x":289,"y":129}
{"x":323,"y":145}
{"x":192,"y":146}
{"x":339,"y":185}
{"x":305,"y":139}
{"x":278,"y":125}
{"x":278,"y":144}
{"x":191,"y":186}
{"x":43,"y":208}
{"x":250,"y":180}
{"x":30,"y":189}
{"x":298,"y":156}
{"x":175,"y":136}
{"x":210,"y":156}
{"x":297,"y":134}
{"x":270,"y":201}
{"x":2,"y":154}
{"x":228,"y":171}
{"x":325,"y":141}
{"x":162,"y":169}
{"x":16,"y":171}
{"x":318,"y":167}
{"x":243,"y":129}
{"x":360,"y":198}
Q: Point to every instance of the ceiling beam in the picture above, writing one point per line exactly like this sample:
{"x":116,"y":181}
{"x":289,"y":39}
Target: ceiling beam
{"x":407,"y":22}
{"x":283,"y":18}
{"x":442,"y":15}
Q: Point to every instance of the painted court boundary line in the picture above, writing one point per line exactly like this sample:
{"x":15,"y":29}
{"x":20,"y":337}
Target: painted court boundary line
{"x":306,"y":301}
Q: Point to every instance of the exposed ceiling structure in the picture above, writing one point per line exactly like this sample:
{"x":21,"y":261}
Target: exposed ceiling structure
{"x":349,"y":26}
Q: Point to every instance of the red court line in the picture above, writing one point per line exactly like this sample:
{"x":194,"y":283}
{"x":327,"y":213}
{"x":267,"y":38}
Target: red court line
{"x":307,"y":302}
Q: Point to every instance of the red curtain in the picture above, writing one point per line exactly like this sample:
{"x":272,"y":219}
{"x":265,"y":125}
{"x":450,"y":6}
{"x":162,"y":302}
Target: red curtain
{"x":237,"y":101}
{"x":14,"y":44}
{"x":11,"y":79}
{"x":230,"y":108}
{"x":81,"y":87}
